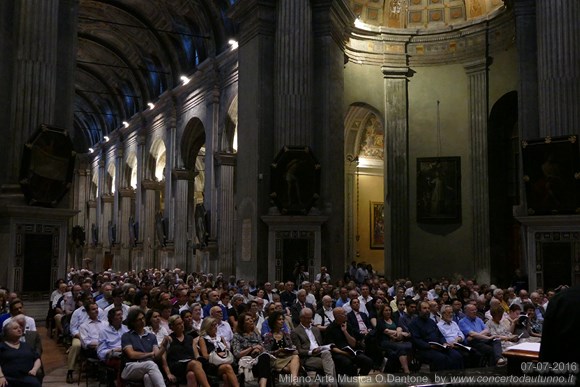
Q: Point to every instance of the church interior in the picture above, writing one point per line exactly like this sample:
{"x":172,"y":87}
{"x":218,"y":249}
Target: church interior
{"x":426,"y":138}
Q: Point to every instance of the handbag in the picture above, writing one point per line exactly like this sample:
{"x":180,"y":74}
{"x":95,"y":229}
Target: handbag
{"x":219,"y":358}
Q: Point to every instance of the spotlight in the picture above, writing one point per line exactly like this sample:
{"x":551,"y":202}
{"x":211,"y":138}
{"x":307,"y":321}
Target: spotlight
{"x":125,"y":124}
{"x":184,"y":79}
{"x":106,"y":138}
{"x":151,"y":105}
{"x":233,"y":43}
{"x":91,"y":150}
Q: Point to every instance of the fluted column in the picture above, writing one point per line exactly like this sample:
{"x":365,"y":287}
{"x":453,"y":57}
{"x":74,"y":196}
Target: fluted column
{"x":478,"y":108}
{"x":528,"y":113}
{"x":119,"y":169}
{"x":182,"y":178}
{"x":150,"y":210}
{"x":107,"y":215}
{"x":139,"y":206}
{"x":81,"y":192}
{"x":227,"y":165}
{"x":127,"y":195}
{"x":101,"y":226}
{"x":558,"y":66}
{"x":293,"y":74}
{"x":169,"y":166}
{"x":397,"y":177}
{"x":211,"y":147}
{"x":35,"y":73}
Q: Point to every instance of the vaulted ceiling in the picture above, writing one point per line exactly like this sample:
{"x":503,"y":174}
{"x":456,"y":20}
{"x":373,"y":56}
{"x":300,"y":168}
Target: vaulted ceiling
{"x":131,"y":51}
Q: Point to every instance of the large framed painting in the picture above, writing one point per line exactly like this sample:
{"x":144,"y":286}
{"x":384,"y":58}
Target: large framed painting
{"x":439,"y":190}
{"x":552,"y":175}
{"x":377,"y":225}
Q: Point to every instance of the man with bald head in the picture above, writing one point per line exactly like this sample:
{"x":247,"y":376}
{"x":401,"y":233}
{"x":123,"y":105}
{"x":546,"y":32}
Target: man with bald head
{"x":308,"y":341}
{"x":324,"y":315}
{"x":224,"y":329}
{"x":479,"y":337}
{"x":342,"y":336}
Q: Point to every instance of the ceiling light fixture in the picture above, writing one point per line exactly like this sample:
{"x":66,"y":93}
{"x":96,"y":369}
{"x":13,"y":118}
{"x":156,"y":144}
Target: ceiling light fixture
{"x":125,"y":124}
{"x":106,"y":138}
{"x":151,"y":105}
{"x":233,"y":43}
{"x":184,"y":79}
{"x":91,"y":150}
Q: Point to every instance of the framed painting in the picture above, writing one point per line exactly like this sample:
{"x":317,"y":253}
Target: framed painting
{"x":377,"y":230}
{"x":552,"y":175}
{"x":439,"y":190}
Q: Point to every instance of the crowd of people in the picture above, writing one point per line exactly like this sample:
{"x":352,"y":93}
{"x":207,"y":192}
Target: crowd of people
{"x":159,"y":326}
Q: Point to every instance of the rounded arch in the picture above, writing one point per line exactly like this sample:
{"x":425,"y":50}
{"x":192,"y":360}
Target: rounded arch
{"x":229,"y":141}
{"x":364,"y":133}
{"x":157,"y":159}
{"x":130,"y":178}
{"x":110,"y":185}
{"x":192,"y":140}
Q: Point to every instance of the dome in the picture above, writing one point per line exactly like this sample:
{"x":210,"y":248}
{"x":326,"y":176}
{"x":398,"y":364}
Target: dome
{"x":423,"y":14}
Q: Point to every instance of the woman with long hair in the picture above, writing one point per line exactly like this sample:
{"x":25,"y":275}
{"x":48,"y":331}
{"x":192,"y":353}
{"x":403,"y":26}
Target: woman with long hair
{"x":209,"y":342}
{"x":248,"y":342}
{"x":178,"y":360}
{"x":279,"y":344}
{"x":390,"y":338}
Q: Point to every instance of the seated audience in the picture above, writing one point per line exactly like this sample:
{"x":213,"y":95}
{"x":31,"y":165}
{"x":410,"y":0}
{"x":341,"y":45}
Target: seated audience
{"x":248,"y":342}
{"x":211,"y":341}
{"x":153,"y":325}
{"x":390,"y":338}
{"x":478,"y":337}
{"x":279,"y":344}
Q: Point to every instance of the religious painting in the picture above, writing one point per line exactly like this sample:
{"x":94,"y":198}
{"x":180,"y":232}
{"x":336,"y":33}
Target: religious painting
{"x":295,"y":180}
{"x":439,"y":190}
{"x":552,"y":175}
{"x":377,"y":230}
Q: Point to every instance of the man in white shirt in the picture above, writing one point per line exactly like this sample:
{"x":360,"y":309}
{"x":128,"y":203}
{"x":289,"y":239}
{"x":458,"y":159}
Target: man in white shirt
{"x":118,"y":303}
{"x":90,"y":330}
{"x":365,"y":296}
{"x":308,"y":341}
{"x":453,"y":335}
{"x":224,"y":329}
{"x":324,"y":315}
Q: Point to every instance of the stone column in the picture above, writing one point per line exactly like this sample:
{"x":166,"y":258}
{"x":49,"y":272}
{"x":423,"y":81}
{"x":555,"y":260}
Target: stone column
{"x":478,"y":113}
{"x":139,"y":205}
{"x":256,"y":21}
{"x":169,"y":167}
{"x":100,"y":193}
{"x":150,"y":210}
{"x":558,"y":66}
{"x":107,"y":216}
{"x":528,"y":120}
{"x":91,"y":207}
{"x":226,"y":163}
{"x":397,"y":177}
{"x":127,"y":195}
{"x":293,"y":74}
{"x":330,"y":20}
{"x":211,"y":147}
{"x":182,"y":178}
{"x":119,"y":167}
{"x":34,"y":74}
{"x":81,"y":191}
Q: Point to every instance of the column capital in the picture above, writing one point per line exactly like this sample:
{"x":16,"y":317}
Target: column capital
{"x":152,"y":185}
{"x":333,"y":18}
{"x":256,"y":17}
{"x":141,"y":139}
{"x":127,"y":192}
{"x":525,"y":8}
{"x":477,"y":65}
{"x":184,"y":174}
{"x":107,"y":198}
{"x":396,"y":72}
{"x":223,"y":158}
{"x":91,"y":204}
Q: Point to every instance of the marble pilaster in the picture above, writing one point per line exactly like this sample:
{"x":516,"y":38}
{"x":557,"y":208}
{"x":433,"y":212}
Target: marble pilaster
{"x":127,"y":197}
{"x":169,"y":166}
{"x":397,"y":177}
{"x":528,"y":112}
{"x":139,"y":205}
{"x":226,"y":163}
{"x":182,"y":179}
{"x":101,"y":226}
{"x":558,"y":66}
{"x":151,"y":189}
{"x":293,"y":82}
{"x":478,"y":109}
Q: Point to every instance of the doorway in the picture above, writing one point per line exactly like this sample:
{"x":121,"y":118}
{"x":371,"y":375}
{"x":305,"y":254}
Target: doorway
{"x":37,"y":263}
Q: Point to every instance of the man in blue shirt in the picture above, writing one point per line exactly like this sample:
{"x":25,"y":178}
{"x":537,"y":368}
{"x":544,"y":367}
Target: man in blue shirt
{"x":478,"y":337}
